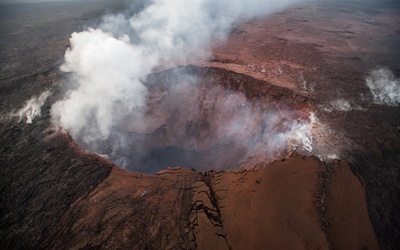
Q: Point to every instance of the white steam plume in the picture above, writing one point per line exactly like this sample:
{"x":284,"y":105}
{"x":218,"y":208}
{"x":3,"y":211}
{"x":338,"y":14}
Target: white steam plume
{"x":109,"y":65}
{"x":32,"y":108}
{"x":384,"y":87}
{"x":342,"y":105}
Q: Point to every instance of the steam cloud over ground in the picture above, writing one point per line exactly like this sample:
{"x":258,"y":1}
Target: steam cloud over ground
{"x":31,"y":109}
{"x":110,"y":65}
{"x":384,"y":87}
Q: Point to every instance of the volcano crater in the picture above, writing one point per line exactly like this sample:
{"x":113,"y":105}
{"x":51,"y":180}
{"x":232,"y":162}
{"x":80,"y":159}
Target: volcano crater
{"x":208,"y":118}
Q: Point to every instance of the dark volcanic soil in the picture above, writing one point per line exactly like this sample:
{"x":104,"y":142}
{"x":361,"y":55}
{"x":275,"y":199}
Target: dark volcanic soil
{"x":56,"y":195}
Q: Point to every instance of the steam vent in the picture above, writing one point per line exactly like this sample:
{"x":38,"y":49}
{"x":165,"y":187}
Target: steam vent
{"x":173,"y":124}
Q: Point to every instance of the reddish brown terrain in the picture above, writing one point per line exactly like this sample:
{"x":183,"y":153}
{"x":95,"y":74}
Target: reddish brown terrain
{"x":56,"y":195}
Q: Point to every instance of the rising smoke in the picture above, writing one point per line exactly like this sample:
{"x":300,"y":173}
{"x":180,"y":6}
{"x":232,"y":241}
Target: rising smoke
{"x":342,"y":104}
{"x":110,"y":63}
{"x":31,"y":109}
{"x":384,"y":87}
